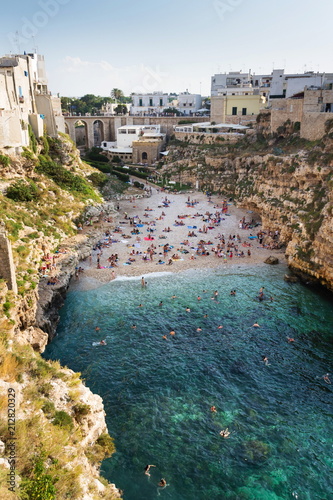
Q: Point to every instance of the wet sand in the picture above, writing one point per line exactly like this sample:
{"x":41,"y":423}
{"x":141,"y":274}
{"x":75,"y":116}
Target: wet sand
{"x":124,"y":242}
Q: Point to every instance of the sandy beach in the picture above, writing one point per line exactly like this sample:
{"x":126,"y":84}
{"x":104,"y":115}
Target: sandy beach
{"x":169,"y":219}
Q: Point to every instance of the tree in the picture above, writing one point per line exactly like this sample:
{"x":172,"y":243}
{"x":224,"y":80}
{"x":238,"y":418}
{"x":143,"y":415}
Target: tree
{"x":121,"y":109}
{"x":117,"y":94}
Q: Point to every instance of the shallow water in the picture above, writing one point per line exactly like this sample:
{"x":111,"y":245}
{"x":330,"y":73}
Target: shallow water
{"x":158,"y":393}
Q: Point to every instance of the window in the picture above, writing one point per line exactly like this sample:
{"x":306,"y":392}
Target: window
{"x":140,"y":102}
{"x":234,"y":110}
{"x":244,"y":111}
{"x":25,"y":73}
{"x":150,"y":102}
{"x":122,"y":131}
{"x":131,"y":131}
{"x":161,"y":102}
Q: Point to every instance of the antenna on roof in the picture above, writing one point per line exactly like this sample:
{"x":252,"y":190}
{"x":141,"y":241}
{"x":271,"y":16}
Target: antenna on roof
{"x":34,"y":48}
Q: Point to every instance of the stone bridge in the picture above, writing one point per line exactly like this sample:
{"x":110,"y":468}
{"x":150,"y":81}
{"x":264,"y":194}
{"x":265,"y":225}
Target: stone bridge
{"x":89,"y":131}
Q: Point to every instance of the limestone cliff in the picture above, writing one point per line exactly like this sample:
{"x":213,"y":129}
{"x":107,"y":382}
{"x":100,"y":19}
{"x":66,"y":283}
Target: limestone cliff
{"x":288,"y":181}
{"x":60,"y":430}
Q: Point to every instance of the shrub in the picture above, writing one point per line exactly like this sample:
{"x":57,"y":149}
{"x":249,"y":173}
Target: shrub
{"x":103,"y":448}
{"x":62,"y":419}
{"x":63,"y":177}
{"x":4,"y":160}
{"x":23,"y":191}
{"x":48,"y":408}
{"x":32,"y":139}
{"x":98,"y":179}
{"x":80,"y":410}
{"x":40,"y":485}
{"x":138,"y":185}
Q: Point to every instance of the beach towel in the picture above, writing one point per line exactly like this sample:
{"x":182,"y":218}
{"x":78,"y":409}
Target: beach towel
{"x":192,"y":227}
{"x":139,"y":225}
{"x":148,"y":239}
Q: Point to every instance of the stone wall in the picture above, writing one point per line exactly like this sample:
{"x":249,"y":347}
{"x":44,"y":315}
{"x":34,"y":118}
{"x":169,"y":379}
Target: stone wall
{"x":206,"y":138}
{"x":313,"y":125}
{"x":7,"y":268}
{"x":285,"y":109}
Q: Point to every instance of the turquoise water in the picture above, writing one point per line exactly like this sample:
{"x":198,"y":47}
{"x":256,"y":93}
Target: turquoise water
{"x":158,"y":393}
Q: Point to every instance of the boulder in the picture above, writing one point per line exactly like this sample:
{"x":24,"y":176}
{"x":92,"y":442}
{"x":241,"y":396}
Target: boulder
{"x":291,"y":278}
{"x":271,"y":260}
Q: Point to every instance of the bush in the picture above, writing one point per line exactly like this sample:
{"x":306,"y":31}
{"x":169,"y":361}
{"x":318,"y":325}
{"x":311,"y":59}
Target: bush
{"x":103,"y":448}
{"x":80,"y":410}
{"x":48,"y":408}
{"x":40,"y":486}
{"x":94,"y":154}
{"x":62,"y":419}
{"x":138,"y":185}
{"x":23,"y":191}
{"x":4,"y":160}
{"x":98,"y":179}
{"x":63,"y":177}
{"x":33,"y":140}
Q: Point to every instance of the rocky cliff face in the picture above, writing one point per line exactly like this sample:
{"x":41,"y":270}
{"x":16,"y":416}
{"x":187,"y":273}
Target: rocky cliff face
{"x":292,"y":191}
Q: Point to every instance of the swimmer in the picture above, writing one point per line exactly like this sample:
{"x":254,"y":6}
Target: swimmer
{"x":133,"y":326}
{"x":265,"y":360}
{"x":97,"y":328}
{"x":102,"y":342}
{"x":162,"y":483}
{"x":198,"y":297}
{"x":140,"y":305}
{"x":199,"y":329}
{"x":147,"y":469}
{"x":160,"y":304}
{"x":326,"y":378}
{"x":164,"y":337}
{"x":290,"y":339}
{"x":225,"y":433}
{"x":172,"y":332}
{"x":233,"y":292}
{"x":213,"y":409}
{"x":219,"y":327}
{"x":174,"y":296}
{"x":205,"y":315}
{"x":256,"y":325}
{"x":143,"y":283}
{"x":188,"y":309}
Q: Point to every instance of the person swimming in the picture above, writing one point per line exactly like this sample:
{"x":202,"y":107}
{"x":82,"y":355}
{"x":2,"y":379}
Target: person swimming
{"x":225,"y":433}
{"x":147,"y":468}
{"x":162,"y":483}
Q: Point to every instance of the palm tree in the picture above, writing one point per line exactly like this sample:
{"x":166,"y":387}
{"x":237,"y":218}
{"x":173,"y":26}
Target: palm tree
{"x":117,"y":94}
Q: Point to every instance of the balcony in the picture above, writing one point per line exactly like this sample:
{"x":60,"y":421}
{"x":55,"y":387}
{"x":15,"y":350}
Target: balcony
{"x":21,"y":99}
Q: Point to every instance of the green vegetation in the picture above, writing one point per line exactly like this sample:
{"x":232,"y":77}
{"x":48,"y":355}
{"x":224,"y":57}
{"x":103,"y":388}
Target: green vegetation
{"x":32,"y":140}
{"x":63,"y":178}
{"x":4,"y":160}
{"x":62,"y":419}
{"x":40,"y":484}
{"x":23,"y":190}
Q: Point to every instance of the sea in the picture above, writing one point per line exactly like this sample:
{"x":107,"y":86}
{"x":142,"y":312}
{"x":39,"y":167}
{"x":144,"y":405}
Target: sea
{"x":270,"y":384}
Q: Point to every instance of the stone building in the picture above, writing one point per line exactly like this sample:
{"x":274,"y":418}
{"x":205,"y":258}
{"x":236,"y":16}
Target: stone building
{"x":24,"y":100}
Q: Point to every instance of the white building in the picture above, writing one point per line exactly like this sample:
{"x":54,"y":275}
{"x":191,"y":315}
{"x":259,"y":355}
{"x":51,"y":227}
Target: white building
{"x":25,"y":99}
{"x":188,"y":104}
{"x":287,"y":85}
{"x":127,"y":135}
{"x":149,"y":104}
{"x":234,"y":79}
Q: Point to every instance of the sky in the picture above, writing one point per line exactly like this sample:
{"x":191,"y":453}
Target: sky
{"x":93,"y":46}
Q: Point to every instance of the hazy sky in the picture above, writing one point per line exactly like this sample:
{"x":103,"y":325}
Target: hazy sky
{"x":92,"y":46}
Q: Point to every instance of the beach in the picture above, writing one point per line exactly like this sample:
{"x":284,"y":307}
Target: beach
{"x":138,"y":233}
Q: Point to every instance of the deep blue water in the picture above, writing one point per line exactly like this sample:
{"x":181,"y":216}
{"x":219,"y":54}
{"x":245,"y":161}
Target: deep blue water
{"x":158,"y":393}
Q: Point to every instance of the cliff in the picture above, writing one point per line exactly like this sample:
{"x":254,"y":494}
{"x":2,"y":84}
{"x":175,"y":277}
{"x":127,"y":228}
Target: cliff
{"x":287,"y":180}
{"x":53,"y":428}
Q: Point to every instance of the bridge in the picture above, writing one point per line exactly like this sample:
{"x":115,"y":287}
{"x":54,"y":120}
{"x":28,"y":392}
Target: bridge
{"x":89,"y":131}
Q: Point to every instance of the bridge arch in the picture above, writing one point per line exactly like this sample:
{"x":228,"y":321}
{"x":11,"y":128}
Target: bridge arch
{"x":81,"y":133}
{"x":99,"y":134}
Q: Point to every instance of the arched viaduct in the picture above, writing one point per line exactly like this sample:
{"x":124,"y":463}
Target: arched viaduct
{"x":95,"y":129}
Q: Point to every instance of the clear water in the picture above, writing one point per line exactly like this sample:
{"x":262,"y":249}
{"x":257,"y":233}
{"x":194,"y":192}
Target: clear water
{"x":158,"y":393}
